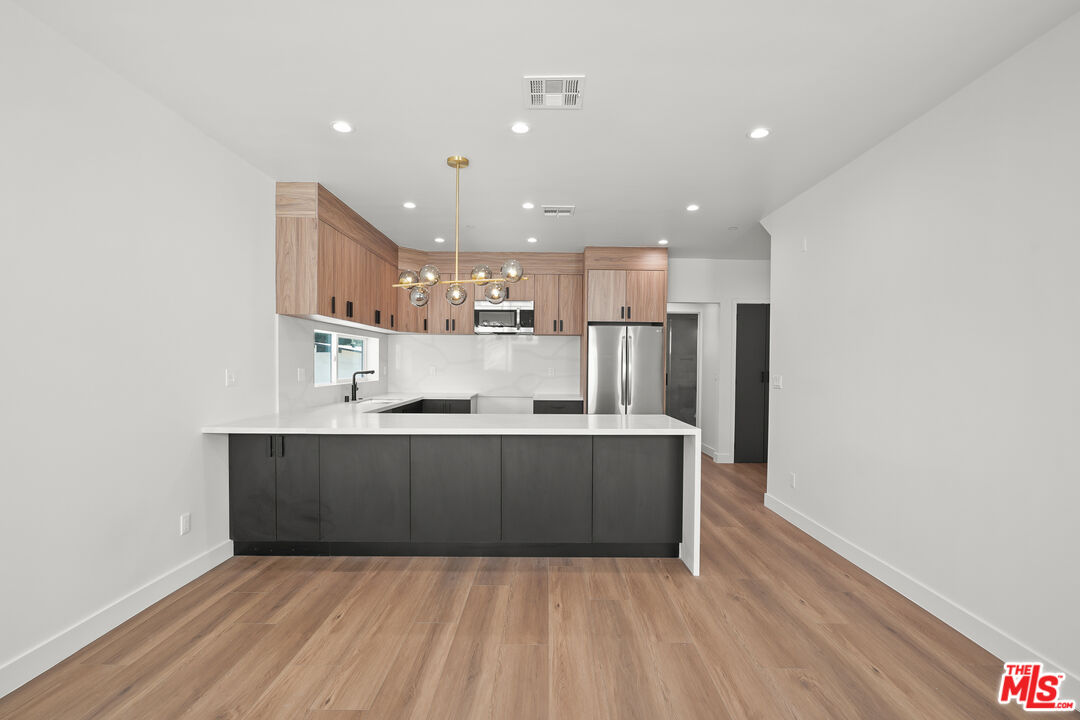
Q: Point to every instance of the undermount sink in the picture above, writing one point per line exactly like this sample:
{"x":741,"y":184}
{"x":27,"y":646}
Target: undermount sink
{"x":376,"y":402}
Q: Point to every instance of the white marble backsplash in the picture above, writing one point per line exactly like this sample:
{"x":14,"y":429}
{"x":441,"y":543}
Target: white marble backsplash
{"x":514,"y":366}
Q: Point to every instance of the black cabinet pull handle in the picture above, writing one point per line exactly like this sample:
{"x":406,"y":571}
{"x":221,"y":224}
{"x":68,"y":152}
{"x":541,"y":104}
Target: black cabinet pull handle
{"x":628,"y":309}
{"x":282,"y":448}
{"x":270,"y":444}
{"x":348,"y":308}
{"x":425,"y":324}
{"x":378,"y":318}
{"x":453,"y":324}
{"x":554,"y":326}
{"x":507,"y":293}
{"x":391,"y":319}
{"x":333,"y":305}
{"x":622,"y":313}
{"x":448,"y":325}
{"x":560,"y":326}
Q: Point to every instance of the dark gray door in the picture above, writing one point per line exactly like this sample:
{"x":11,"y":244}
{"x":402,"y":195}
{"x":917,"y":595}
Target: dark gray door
{"x":297,"y":487}
{"x":637,"y":489}
{"x":547,"y":489}
{"x":252,"y":495}
{"x":364,"y":488}
{"x":752,"y":383}
{"x":456,"y":494}
{"x":682,"y":365}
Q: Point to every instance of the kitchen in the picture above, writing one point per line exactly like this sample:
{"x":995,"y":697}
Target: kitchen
{"x":386,"y":360}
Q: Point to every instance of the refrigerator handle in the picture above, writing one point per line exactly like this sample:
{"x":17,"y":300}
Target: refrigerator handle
{"x":629,"y":369}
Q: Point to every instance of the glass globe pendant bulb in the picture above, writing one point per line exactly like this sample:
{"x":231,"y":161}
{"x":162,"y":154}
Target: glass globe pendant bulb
{"x":419,"y":296}
{"x":455,"y":294}
{"x":511,"y":270}
{"x":407,"y":277}
{"x":495,"y":293}
{"x":429,"y":275}
{"x":481,"y":272}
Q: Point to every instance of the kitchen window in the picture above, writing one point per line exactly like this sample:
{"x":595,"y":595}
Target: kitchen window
{"x":338,"y":356}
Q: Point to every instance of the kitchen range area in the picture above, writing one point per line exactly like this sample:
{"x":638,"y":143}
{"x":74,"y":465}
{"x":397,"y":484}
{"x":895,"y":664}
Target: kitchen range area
{"x":526,"y":422}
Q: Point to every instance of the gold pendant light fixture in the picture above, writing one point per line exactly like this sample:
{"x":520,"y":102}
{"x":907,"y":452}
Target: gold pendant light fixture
{"x":417,"y":283}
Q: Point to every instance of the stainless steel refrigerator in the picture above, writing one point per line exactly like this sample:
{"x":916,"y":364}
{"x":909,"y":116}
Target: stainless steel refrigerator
{"x":626,"y":369}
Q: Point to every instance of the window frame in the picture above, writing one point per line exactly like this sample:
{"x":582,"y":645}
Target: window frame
{"x":370,"y":351}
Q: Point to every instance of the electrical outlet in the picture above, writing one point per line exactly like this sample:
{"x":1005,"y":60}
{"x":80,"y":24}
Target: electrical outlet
{"x":301,"y":375}
{"x":230,"y":378}
{"x":551,"y":372}
{"x":431,"y":370}
{"x":792,"y":479}
{"x":778,"y":382}
{"x":185,"y":523}
{"x":805,"y":246}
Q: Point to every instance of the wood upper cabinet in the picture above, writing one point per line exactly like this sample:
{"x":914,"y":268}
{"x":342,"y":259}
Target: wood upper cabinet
{"x":646,"y":295}
{"x":557,"y":304}
{"x":523,"y":289}
{"x":607,"y":295}
{"x":447,"y":319}
{"x":410,"y":319}
{"x":339,"y":266}
{"x":571,"y":321}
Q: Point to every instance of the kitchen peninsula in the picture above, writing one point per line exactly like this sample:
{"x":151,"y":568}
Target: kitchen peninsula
{"x":350,"y":479}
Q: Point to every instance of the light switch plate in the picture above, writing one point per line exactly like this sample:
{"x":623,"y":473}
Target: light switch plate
{"x":230,"y":378}
{"x":185,"y":523}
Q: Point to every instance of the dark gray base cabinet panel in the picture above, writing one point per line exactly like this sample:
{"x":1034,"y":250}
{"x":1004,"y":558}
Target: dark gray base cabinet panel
{"x":252,"y":495}
{"x":274,"y":487}
{"x":297,"y":487}
{"x":455,"y":488}
{"x":637,"y":489}
{"x":435,"y":405}
{"x":547,"y":489}
{"x":364,"y":488}
{"x":558,"y":407}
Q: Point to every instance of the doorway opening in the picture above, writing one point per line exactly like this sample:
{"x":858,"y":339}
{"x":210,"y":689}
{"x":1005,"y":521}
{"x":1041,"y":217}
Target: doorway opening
{"x":681,"y":384}
{"x":751,"y":383}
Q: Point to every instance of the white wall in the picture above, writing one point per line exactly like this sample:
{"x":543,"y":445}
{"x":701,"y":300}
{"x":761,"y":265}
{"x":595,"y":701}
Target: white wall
{"x":929,"y":337}
{"x":508,"y":366}
{"x":296,"y":338}
{"x":136,"y":265}
{"x":714,"y":287}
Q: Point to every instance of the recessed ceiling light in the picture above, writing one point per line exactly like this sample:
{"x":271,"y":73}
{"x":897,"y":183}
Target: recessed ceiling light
{"x":758,"y":133}
{"x":532,"y":240}
{"x":662,"y":241}
{"x":520,"y":127}
{"x":527,"y":205}
{"x":440,"y":240}
{"x":408,"y":205}
{"x":733,"y":228}
{"x":341,"y":126}
{"x":692,"y":208}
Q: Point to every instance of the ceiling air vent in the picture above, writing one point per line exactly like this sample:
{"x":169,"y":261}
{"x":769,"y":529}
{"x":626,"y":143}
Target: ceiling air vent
{"x":558,"y":210}
{"x":554,"y":92}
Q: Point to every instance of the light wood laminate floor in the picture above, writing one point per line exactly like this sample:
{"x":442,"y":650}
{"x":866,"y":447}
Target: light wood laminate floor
{"x":777,"y":626}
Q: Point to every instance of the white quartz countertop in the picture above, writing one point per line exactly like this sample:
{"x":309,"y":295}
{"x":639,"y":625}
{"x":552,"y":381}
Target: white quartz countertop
{"x":358,"y":419}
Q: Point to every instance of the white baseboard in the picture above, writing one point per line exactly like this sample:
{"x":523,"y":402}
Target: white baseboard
{"x":25,"y":667}
{"x":979,"y":631}
{"x":717,"y":456}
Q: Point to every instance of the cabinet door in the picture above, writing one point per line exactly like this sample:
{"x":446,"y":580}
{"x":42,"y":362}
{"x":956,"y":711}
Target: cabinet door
{"x":438,"y":311}
{"x":523,"y":289}
{"x":546,"y":489}
{"x":331,"y":253}
{"x":297,"y":487}
{"x":385,"y":309}
{"x":462,"y":407}
{"x":409,"y":317}
{"x":252,"y":495}
{"x":558,"y":407}
{"x":456,"y":494}
{"x":364,"y":488}
{"x":646,"y":298}
{"x":434,"y":405}
{"x":637,"y":489}
{"x":607,"y":295}
{"x":546,"y":304}
{"x":462,"y":321}
{"x":570,"y":320}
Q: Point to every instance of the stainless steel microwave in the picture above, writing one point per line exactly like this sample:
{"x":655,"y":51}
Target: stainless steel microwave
{"x":507,"y":318}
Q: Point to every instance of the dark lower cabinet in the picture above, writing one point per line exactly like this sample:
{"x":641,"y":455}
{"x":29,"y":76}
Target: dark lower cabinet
{"x":455,"y":488}
{"x":547,"y":489}
{"x":364,"y":488}
{"x":558,"y":407}
{"x":273,"y":487}
{"x":436,"y":405}
{"x":637,"y":489}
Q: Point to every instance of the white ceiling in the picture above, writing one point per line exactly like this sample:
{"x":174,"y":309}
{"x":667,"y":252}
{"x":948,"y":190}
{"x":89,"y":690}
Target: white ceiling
{"x":672,"y":89}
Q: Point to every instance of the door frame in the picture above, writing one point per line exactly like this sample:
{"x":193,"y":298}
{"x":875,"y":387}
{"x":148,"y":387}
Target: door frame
{"x":686,"y":309}
{"x":735,"y":303}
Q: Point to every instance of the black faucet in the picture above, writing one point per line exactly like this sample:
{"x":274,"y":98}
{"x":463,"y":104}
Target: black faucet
{"x":359,"y":372}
